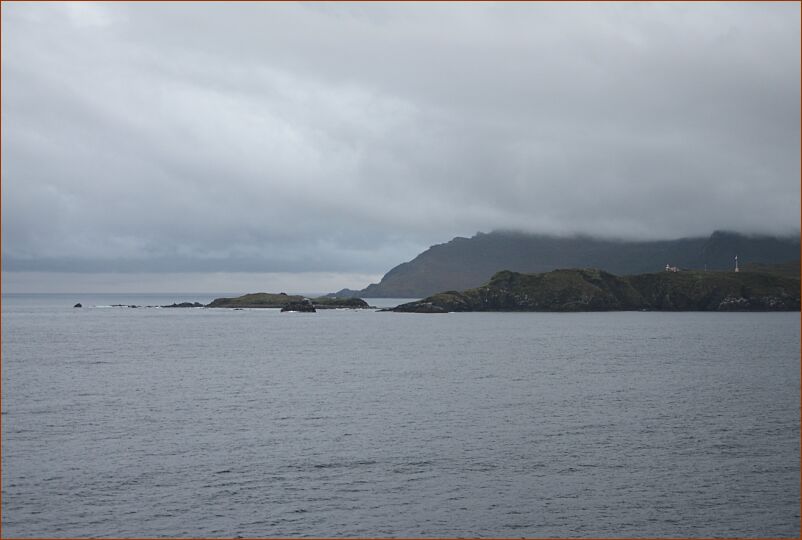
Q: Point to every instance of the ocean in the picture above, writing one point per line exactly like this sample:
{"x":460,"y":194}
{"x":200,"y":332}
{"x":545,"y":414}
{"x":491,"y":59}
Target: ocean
{"x":220,"y":423}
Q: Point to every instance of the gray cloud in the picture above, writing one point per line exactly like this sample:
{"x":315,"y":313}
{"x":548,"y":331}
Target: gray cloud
{"x":262,"y":137}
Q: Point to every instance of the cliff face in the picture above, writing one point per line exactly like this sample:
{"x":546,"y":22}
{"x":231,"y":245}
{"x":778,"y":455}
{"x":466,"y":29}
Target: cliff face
{"x":596,"y":290}
{"x":464,"y":263}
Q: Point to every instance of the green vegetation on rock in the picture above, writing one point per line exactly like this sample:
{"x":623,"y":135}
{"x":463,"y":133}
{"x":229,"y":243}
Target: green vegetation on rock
{"x":596,"y":290}
{"x":256,"y":300}
{"x":281,"y":300}
{"x":787,"y":269}
{"x":324,"y":302}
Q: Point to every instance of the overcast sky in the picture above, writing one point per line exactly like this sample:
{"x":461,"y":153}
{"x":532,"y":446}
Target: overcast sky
{"x":338,"y":140}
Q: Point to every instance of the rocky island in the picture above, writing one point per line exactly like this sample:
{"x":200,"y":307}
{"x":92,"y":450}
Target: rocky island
{"x":597,"y":290}
{"x":282,"y":300}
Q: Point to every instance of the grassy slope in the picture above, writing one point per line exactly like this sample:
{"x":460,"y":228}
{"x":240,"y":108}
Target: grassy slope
{"x":595,"y":290}
{"x":707,"y":290}
{"x":787,"y":269}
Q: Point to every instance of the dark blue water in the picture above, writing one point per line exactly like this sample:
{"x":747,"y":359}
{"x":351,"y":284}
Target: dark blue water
{"x":155,"y":422}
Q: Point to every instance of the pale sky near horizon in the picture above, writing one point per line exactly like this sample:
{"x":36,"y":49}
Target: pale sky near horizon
{"x":314,"y":146}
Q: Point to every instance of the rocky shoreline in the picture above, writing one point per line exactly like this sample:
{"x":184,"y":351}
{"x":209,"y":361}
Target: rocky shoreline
{"x":282,"y":301}
{"x":596,"y":290}
{"x":565,"y":290}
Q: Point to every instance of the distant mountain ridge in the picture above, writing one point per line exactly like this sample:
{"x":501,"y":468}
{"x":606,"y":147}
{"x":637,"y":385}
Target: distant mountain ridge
{"x":465,"y":263}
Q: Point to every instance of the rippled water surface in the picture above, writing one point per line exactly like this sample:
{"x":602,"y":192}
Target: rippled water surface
{"x":205,"y":422}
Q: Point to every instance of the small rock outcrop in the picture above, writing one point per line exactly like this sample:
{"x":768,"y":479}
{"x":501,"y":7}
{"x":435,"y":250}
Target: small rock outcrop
{"x":184,"y":305}
{"x":304,"y":306}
